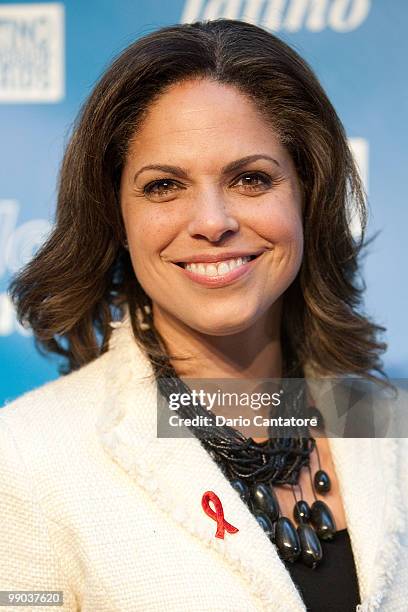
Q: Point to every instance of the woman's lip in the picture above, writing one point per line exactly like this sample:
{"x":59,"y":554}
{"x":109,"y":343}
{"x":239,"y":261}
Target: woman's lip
{"x":221,"y":279}
{"x":217,"y":257}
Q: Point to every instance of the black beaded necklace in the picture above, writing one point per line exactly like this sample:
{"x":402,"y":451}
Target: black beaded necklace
{"x":254,"y":468}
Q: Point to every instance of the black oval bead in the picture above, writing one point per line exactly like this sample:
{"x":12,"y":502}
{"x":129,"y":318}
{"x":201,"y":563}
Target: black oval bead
{"x":242,"y":488}
{"x":311,"y":549}
{"x":301,"y":511}
{"x":322,"y":481}
{"x":287,"y":539}
{"x":322,"y":520}
{"x":265,"y":522}
{"x":264,"y":498}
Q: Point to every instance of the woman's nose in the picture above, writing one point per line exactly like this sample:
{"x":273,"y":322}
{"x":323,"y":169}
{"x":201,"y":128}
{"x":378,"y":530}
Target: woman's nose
{"x":211,"y":218}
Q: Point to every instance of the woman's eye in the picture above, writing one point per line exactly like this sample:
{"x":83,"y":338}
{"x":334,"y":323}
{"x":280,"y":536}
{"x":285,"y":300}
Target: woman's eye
{"x":254,"y":181}
{"x":159,"y":188}
{"x":250,"y":181}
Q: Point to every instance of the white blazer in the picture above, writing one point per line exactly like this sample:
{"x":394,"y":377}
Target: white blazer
{"x":94,"y":504}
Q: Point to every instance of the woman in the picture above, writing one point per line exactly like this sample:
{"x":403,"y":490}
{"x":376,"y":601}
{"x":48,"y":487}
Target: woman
{"x":203,"y":144}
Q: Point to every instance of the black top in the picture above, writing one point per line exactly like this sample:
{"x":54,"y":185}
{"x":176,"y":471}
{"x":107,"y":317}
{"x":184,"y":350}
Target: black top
{"x":332,"y":586}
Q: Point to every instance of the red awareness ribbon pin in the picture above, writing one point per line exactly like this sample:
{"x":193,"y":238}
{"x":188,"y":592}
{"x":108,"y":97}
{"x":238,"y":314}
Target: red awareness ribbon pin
{"x":218,"y":515}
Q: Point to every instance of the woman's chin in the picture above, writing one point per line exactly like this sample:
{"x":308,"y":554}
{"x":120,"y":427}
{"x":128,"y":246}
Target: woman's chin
{"x":222,"y":327}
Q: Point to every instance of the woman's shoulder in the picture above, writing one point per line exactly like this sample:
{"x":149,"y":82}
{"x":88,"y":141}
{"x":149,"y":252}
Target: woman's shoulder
{"x":66,"y":407}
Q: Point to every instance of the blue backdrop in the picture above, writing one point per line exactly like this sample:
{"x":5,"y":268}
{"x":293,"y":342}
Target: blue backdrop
{"x":51,"y":55}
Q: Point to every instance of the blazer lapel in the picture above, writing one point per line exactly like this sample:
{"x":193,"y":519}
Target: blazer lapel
{"x":367,"y":470}
{"x":177,"y":471}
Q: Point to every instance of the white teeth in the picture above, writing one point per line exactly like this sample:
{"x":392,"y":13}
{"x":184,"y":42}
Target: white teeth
{"x":211,"y":270}
{"x":217,"y":269}
{"x":223,"y":268}
{"x":234,"y":263}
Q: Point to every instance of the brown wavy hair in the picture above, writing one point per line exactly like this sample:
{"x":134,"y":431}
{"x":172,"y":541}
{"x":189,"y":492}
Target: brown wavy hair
{"x":81,"y":277}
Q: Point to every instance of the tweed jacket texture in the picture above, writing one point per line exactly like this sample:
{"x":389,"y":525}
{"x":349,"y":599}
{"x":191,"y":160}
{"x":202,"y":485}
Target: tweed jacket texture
{"x":94,"y":504}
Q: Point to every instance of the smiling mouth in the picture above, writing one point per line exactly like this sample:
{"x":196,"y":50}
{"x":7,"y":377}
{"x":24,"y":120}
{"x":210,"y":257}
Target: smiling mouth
{"x":219,"y":268}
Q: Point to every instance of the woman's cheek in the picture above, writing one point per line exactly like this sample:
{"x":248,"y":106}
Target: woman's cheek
{"x":279,"y":226}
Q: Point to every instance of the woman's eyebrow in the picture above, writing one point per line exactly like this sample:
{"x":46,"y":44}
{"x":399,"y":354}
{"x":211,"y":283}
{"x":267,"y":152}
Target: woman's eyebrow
{"x":230,"y":167}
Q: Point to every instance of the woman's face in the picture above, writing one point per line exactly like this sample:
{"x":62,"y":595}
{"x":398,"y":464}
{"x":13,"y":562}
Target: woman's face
{"x":205,"y":179}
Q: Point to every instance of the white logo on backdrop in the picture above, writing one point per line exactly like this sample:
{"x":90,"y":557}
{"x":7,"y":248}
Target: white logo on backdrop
{"x":17,"y":247}
{"x":31,"y":52}
{"x":360,"y":150}
{"x":18,"y":244}
{"x":286,"y":15}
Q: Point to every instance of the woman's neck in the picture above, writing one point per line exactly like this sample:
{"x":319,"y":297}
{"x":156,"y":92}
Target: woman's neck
{"x":253,"y":353}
